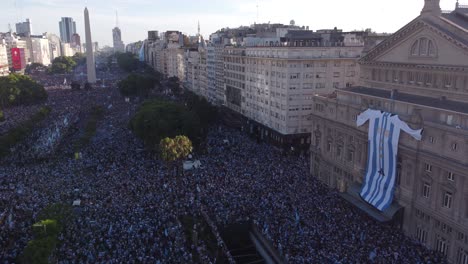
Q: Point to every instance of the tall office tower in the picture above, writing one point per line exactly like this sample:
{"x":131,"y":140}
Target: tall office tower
{"x":24,"y":28}
{"x":117,"y":36}
{"x":91,"y":67}
{"x":67,"y":29}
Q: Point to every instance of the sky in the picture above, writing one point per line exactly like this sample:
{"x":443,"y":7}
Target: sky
{"x":136,"y":17}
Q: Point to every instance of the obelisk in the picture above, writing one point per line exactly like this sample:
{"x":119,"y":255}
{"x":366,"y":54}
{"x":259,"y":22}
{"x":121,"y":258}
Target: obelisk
{"x":91,"y":66}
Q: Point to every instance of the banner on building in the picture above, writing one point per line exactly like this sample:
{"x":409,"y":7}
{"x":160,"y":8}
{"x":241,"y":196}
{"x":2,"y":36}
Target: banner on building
{"x":384,"y":134}
{"x":16,"y":59}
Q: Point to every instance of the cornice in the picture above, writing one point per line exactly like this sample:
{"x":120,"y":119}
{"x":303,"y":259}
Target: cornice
{"x":404,"y":32}
{"x":386,"y":65}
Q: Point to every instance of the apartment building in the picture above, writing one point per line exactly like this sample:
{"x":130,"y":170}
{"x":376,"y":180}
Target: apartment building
{"x":271,"y":81}
{"x":197,"y":75}
{"x":419,"y":74}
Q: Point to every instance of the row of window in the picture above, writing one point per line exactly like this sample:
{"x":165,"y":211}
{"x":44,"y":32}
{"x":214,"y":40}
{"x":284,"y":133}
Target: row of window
{"x":423,"y":79}
{"x":442,"y":245}
{"x":450,"y":175}
{"x":453,"y":145}
{"x":447,"y":198}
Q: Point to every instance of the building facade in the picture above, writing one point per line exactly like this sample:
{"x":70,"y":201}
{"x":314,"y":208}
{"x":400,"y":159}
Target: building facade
{"x":117,"y":40}
{"x":67,"y":28}
{"x":419,"y":73}
{"x":4,"y":67}
{"x":24,"y":28}
{"x":76,"y":42}
{"x":55,"y":46}
{"x":40,"y":50}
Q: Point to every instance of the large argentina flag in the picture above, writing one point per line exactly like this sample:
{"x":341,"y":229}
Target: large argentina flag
{"x":384,"y":133}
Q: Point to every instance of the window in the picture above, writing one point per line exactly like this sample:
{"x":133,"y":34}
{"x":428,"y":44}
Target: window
{"x":336,"y":74}
{"x":423,"y":47}
{"x":350,"y":156}
{"x":351,"y":74}
{"x":421,"y":234}
{"x":339,"y":150}
{"x":329,"y":146}
{"x":442,"y":245}
{"x":319,"y":107}
{"x":447,"y":202}
{"x":462,"y":257}
{"x":336,"y":85}
{"x":454,"y":146}
{"x":451,"y":176}
{"x":320,"y":85}
{"x":426,"y":190}
{"x":428,"y":167}
{"x":431,"y":139}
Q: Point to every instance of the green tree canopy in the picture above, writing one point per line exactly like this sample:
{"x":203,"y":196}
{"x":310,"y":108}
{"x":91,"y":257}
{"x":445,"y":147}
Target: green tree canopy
{"x":207,"y":113}
{"x":18,"y":89}
{"x":136,"y":85}
{"x":79,"y":58}
{"x":61,"y":65}
{"x":127,"y":61}
{"x":156,"y":120}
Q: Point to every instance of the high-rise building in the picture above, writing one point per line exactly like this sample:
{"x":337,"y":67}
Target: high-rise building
{"x":117,"y":36}
{"x":67,"y":29}
{"x":39,"y":49}
{"x":76,"y":42}
{"x":417,"y":76}
{"x":117,"y":40}
{"x":24,"y":28}
{"x":55,"y":45}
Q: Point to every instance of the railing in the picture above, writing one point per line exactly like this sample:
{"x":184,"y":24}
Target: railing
{"x":272,"y":255}
{"x":214,"y":229}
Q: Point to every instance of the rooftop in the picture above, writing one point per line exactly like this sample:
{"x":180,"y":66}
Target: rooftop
{"x":413,"y":99}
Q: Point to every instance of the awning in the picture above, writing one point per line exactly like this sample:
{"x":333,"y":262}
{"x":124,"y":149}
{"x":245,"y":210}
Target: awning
{"x":352,"y":196}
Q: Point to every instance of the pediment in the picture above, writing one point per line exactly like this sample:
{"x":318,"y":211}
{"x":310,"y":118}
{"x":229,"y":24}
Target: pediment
{"x":399,"y":47}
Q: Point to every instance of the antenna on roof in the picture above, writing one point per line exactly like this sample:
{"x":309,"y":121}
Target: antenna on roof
{"x":116,"y":19}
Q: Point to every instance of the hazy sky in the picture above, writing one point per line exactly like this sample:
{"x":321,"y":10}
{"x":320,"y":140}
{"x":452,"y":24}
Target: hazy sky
{"x":136,"y":17}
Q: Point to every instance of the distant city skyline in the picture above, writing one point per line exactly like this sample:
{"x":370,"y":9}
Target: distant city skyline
{"x":139,"y":16}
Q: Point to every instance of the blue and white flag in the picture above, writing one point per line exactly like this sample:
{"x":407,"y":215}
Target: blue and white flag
{"x":384,"y":133}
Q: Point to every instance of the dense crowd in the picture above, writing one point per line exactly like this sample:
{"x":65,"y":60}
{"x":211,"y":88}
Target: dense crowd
{"x":131,"y":205}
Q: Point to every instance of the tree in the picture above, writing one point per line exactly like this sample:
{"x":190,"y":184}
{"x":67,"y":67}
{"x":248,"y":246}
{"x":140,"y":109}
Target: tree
{"x":62,"y":65}
{"x":33,"y":67}
{"x":173,"y":150}
{"x":79,"y":58}
{"x":174,"y":85}
{"x":18,"y":89}
{"x":136,"y":85}
{"x":156,"y":120}
{"x":207,"y":113}
{"x":127,"y":61}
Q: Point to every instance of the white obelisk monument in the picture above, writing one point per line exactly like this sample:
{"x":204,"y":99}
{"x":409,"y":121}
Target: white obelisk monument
{"x":91,"y":66}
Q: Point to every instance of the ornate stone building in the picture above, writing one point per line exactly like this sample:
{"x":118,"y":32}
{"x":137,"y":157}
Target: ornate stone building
{"x":421,"y":74}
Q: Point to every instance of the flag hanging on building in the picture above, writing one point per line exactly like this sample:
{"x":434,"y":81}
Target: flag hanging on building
{"x":384,"y":134}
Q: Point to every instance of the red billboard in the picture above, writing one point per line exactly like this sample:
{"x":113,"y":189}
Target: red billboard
{"x":16,"y":59}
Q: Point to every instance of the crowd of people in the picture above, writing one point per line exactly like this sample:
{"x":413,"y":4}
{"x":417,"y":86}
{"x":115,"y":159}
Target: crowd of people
{"x":131,"y":205}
